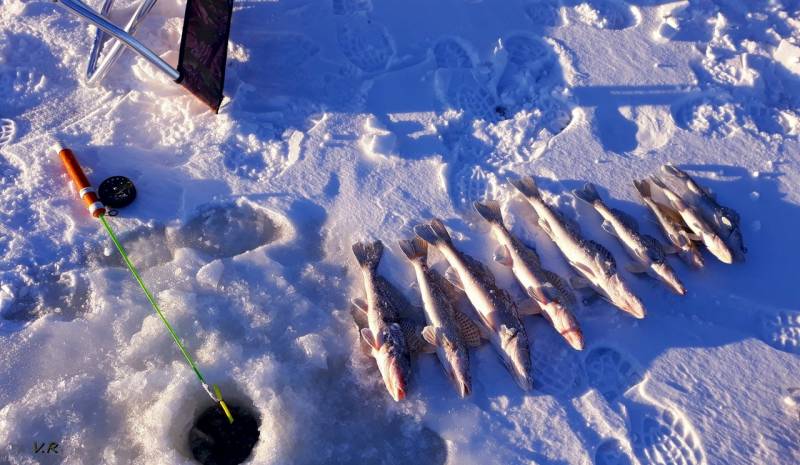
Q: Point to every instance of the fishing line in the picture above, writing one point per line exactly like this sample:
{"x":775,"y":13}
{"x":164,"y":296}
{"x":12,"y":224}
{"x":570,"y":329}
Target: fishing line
{"x":98,"y":210}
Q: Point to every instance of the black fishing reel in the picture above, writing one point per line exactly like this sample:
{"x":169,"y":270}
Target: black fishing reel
{"x":116,"y":192}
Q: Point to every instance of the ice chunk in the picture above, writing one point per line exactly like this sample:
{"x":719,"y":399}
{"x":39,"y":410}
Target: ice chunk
{"x":314,"y":350}
{"x":377,"y":140}
{"x":788,"y":55}
{"x":210,"y":274}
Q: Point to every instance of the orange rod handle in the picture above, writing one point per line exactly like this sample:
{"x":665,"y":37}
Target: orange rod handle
{"x":85,"y":190}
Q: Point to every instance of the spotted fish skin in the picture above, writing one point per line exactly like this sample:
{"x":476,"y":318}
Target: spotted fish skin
{"x":725,"y":221}
{"x":646,"y":250}
{"x":443,"y":330}
{"x":384,"y":332}
{"x":543,"y":286}
{"x":671,"y":225}
{"x":593,"y":261}
{"x":497,"y":311}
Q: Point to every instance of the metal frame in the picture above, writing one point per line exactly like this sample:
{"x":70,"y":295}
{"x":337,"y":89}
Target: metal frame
{"x":95,"y":71}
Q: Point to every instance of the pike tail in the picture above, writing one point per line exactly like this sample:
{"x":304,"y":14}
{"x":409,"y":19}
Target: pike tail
{"x":526,"y":186}
{"x":588,"y":193}
{"x":674,"y":171}
{"x":490,"y":211}
{"x":644,"y":188}
{"x":433,"y":233}
{"x":368,"y":254}
{"x":415,"y":249}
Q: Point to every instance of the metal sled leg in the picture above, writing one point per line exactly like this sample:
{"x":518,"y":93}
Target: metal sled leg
{"x":96,"y":72}
{"x":203,"y":48}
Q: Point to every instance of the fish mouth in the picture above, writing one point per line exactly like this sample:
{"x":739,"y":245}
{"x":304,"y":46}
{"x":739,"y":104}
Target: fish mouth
{"x":721,"y":251}
{"x":636,"y":309}
{"x":399,"y":394}
{"x":394,"y":377}
{"x":397,"y":388}
{"x":574,"y":338}
{"x":524,"y":381}
{"x":464,"y":388}
{"x":565,"y":324}
{"x":668,"y":276}
{"x":459,"y":375}
{"x":626,"y":300}
{"x":520,"y":368}
{"x":632,"y":305}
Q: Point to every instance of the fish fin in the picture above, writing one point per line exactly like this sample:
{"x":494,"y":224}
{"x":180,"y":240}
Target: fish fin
{"x":359,"y":316}
{"x":433,"y":233}
{"x":545,"y":226}
{"x":585,"y":269}
{"x":425,"y":232}
{"x":579,"y":282}
{"x":658,"y":182}
{"x":451,"y":275}
{"x":490,"y":211}
{"x":588,"y":193}
{"x":548,"y":290}
{"x":368,"y":254}
{"x":440,"y":230}
{"x":675,"y":201}
{"x":508,"y":332}
{"x":636,"y":268}
{"x":366,"y":336}
{"x":415,"y":249}
{"x":502,"y":256}
{"x":469,"y":330}
{"x":360,"y":303}
{"x":564,"y":293}
{"x":429,"y":333}
{"x":672,"y":170}
{"x":453,"y":293}
{"x":526,"y":185}
{"x":643,"y":187}
{"x":681,"y":175}
{"x":529,"y":306}
{"x":608,"y":227}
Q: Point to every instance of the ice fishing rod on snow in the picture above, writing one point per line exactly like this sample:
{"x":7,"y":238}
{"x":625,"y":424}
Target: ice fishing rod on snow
{"x":96,"y":208}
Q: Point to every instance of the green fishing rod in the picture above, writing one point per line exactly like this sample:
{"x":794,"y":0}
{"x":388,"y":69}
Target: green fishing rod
{"x":98,"y":210}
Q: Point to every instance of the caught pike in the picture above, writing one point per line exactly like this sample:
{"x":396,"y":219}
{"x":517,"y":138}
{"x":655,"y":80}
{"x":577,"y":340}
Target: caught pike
{"x":546,"y":288}
{"x":672,"y":225}
{"x":383,"y":333}
{"x":645,"y":249}
{"x":493,"y":305}
{"x":701,"y":230}
{"x":448,"y":330}
{"x":593,"y":261}
{"x":724,"y":220}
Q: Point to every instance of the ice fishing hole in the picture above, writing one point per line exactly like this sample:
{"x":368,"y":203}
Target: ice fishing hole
{"x":214,"y":441}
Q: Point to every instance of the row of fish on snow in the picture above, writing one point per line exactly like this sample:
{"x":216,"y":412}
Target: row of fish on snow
{"x":687,"y":214}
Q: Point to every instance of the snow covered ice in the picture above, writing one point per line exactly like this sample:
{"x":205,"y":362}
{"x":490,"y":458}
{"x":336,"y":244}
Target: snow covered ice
{"x":349,"y":120}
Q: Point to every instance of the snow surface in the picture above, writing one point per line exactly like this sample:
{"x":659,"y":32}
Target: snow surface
{"x":354,"y":119}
